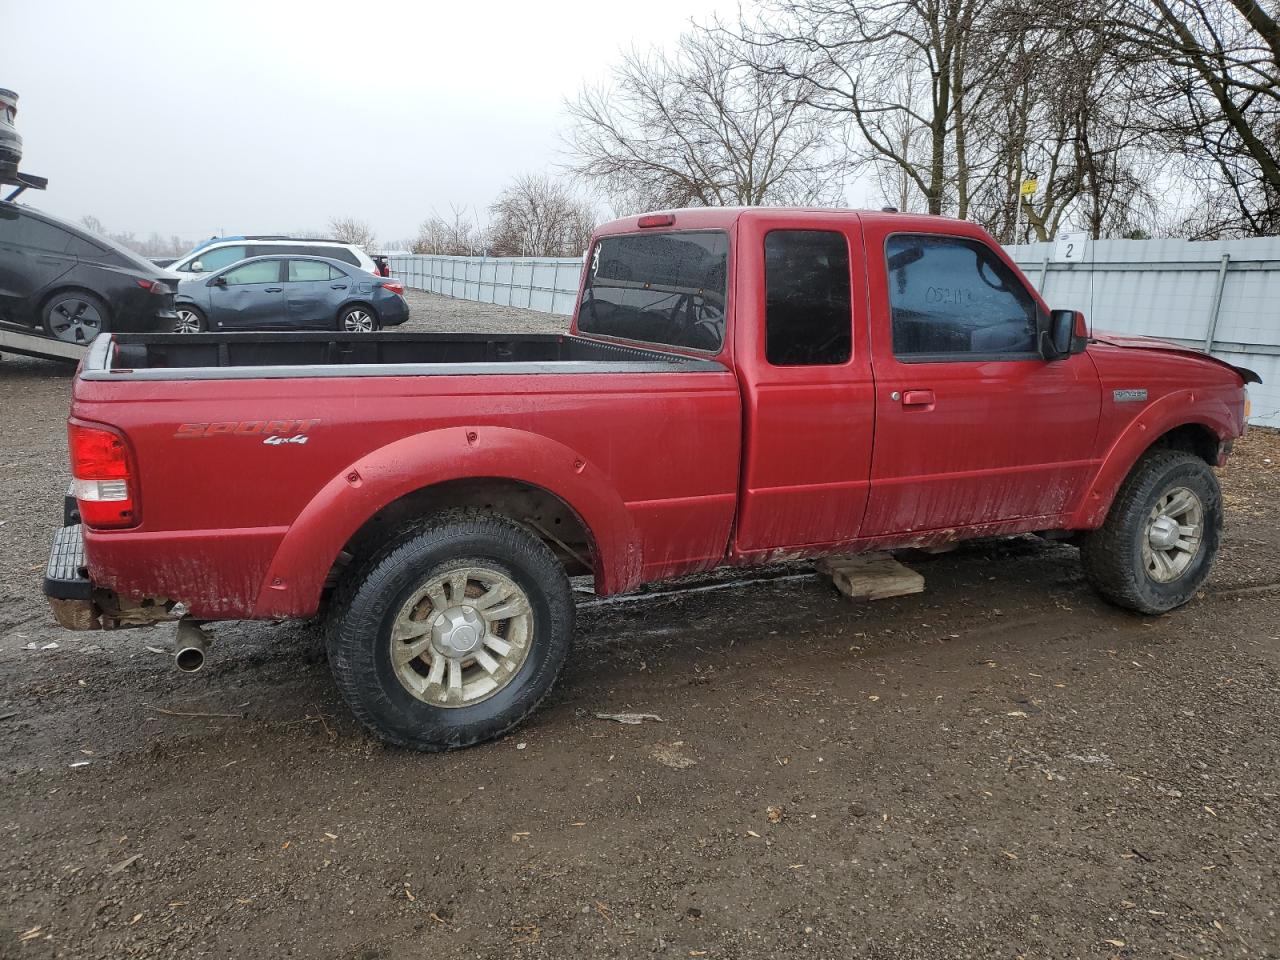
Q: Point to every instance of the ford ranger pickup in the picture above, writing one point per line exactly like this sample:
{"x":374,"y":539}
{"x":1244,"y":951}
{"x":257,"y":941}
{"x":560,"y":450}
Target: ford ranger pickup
{"x":738,"y":386}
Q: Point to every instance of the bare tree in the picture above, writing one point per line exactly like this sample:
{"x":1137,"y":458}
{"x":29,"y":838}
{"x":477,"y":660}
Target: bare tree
{"x":908,"y":74}
{"x":1207,"y":76}
{"x":457,"y":236}
{"x":537,"y":216}
{"x":702,"y":126}
{"x":352,"y":230}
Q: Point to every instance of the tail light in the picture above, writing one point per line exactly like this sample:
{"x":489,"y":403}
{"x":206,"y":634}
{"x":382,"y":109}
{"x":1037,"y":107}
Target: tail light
{"x":104,"y":484}
{"x":395,"y":286}
{"x":158,"y":287}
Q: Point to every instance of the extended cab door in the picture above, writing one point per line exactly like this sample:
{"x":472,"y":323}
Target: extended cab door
{"x":804,"y":365}
{"x":972,"y":426}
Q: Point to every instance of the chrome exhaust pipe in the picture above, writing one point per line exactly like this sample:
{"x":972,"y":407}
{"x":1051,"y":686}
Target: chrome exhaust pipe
{"x":190,"y":646}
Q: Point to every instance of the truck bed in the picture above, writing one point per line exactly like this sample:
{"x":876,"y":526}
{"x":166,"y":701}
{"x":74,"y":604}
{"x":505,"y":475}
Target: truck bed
{"x":226,"y":356}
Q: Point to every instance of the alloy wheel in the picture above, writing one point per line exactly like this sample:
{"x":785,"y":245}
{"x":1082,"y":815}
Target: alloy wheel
{"x":1174,"y":530}
{"x":188,"y":322}
{"x":358,"y":321}
{"x":462,"y":636}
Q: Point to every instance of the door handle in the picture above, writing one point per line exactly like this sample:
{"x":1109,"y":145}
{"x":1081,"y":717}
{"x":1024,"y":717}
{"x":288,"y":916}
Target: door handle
{"x":917,"y":398}
{"x":337,"y":286}
{"x":274,"y":290}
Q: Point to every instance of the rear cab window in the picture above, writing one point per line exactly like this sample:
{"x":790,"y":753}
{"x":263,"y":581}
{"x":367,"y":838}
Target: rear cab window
{"x":663,"y":288}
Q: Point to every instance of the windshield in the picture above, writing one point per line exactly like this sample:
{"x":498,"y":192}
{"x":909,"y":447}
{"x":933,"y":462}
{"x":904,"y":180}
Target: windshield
{"x":658,"y":288}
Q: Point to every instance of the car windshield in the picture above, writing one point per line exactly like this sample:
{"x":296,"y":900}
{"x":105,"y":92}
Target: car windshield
{"x":665,"y":288}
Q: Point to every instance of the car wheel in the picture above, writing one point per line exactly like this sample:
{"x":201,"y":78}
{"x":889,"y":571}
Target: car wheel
{"x":1156,"y":546}
{"x":453,"y":634}
{"x":190,"y":320}
{"x":75,"y":316}
{"x":358,"y":319}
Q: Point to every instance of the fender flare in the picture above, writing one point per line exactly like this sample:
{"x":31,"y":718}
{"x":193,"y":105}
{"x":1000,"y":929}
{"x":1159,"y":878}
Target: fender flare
{"x":307,"y":552}
{"x":1167,"y":413}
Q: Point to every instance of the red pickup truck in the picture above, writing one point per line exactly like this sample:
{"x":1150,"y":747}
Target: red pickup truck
{"x":739,"y":386}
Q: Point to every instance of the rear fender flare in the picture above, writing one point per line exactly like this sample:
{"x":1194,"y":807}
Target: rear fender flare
{"x":1177,"y":409}
{"x":308,"y":550}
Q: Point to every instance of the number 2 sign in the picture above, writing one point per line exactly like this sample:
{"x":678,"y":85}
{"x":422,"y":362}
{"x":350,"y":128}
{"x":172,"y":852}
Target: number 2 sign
{"x":1070,"y":247}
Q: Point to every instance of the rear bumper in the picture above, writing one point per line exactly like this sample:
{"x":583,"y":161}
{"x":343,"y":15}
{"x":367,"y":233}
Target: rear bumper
{"x":392,"y":311}
{"x":77,"y":602}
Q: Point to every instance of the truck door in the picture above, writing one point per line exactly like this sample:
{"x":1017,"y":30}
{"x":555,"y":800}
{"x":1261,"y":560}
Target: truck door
{"x":808,"y":398}
{"x":972,"y":426}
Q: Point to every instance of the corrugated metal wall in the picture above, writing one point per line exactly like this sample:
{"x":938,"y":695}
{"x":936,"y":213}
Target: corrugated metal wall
{"x":536,"y":283}
{"x":1223,"y":295}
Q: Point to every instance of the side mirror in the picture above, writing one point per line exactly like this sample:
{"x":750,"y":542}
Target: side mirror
{"x":196,"y":267}
{"x":1061,"y":335}
{"x":218,"y":282}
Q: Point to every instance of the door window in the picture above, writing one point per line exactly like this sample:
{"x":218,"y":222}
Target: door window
{"x":952,"y":298}
{"x":260,"y":271}
{"x":219,"y":257}
{"x":301,"y":271}
{"x":808,"y":308}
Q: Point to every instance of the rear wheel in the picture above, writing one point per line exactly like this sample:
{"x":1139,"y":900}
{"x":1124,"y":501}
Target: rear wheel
{"x":453,"y":634}
{"x":358,"y":319}
{"x":190,"y":320}
{"x":1156,"y":547}
{"x":75,"y":316}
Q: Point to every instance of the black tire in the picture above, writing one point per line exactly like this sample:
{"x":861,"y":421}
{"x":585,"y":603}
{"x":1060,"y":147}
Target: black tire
{"x":75,"y":316}
{"x":1113,"y":554}
{"x":194,"y":320}
{"x":365,"y":606}
{"x":348,"y":315}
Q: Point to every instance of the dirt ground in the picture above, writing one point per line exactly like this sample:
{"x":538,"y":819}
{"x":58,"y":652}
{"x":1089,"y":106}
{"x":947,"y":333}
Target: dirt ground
{"x":1003,"y":766}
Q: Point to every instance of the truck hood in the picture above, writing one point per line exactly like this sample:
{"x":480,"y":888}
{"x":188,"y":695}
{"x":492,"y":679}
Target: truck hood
{"x":1164,"y":346}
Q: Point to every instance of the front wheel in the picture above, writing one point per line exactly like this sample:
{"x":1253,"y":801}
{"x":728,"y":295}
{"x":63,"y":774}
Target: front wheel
{"x":1158,"y":542}
{"x":190,"y":320}
{"x":358,"y":319}
{"x":453,"y":634}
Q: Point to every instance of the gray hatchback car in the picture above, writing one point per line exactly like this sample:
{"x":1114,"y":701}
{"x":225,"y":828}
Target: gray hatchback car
{"x":289,"y":293}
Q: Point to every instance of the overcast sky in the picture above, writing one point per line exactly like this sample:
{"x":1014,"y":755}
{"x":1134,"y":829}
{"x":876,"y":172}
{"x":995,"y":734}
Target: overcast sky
{"x":257,"y":117}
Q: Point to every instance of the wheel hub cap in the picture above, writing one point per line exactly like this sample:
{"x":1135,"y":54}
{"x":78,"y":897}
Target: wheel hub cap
{"x":457,"y":631}
{"x":1164,"y":532}
{"x":1175,"y":528}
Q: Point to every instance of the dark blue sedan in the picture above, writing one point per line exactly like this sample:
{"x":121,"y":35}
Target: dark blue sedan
{"x":289,"y":293}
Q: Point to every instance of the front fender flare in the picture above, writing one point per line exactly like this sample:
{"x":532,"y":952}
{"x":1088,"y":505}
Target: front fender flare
{"x":1177,"y":409}
{"x":309,"y":549}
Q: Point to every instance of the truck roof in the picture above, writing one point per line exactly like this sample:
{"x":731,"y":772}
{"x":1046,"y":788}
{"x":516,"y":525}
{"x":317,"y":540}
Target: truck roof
{"x":722,"y":218}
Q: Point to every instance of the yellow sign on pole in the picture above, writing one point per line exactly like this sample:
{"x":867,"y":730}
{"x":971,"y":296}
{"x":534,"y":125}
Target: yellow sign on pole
{"x":1029,"y":187}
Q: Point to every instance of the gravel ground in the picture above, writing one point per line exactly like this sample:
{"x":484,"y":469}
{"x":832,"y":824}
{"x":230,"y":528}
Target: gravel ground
{"x":1003,"y":766}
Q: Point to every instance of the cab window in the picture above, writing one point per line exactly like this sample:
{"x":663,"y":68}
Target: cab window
{"x":260,"y":271}
{"x":953,"y":298}
{"x":808,"y":308}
